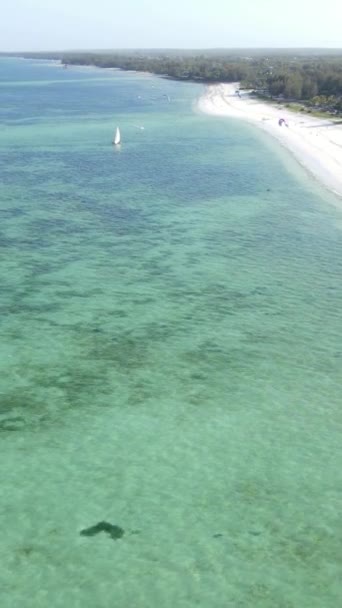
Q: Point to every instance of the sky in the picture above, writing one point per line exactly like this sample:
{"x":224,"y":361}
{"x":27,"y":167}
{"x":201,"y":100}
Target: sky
{"x":47,"y":25}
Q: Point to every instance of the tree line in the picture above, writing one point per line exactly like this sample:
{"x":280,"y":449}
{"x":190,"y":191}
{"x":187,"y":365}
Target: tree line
{"x":312,"y":78}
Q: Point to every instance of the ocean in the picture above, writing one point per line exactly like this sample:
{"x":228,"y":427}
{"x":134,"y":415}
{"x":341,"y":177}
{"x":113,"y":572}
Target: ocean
{"x":171,"y":330}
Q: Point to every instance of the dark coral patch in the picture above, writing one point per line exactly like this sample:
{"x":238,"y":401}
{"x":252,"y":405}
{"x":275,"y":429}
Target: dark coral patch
{"x":115,"y":532}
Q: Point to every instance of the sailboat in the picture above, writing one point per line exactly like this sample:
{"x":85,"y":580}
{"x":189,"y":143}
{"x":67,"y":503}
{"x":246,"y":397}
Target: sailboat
{"x":117,"y":137}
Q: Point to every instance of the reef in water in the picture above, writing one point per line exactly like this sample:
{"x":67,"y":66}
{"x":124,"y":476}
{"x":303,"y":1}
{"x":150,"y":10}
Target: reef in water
{"x":115,"y":532}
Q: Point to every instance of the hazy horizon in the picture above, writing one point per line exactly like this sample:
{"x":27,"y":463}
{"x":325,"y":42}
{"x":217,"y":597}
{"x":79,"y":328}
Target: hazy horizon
{"x":170,"y":48}
{"x":31,"y":26}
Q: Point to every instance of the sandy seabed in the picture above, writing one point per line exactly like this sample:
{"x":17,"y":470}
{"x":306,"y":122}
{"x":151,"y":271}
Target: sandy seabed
{"x":315,"y":142}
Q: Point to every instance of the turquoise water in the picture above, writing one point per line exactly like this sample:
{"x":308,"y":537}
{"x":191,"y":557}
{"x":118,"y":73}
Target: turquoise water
{"x":171,"y":353}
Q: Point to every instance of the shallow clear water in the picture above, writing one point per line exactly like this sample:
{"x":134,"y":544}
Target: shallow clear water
{"x":171,"y":353}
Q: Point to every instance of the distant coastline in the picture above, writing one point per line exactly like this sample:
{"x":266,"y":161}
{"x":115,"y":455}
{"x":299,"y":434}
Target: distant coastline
{"x":315,"y":142}
{"x":308,"y":80}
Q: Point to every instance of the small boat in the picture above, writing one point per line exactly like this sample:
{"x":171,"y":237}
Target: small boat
{"x":117,"y":137}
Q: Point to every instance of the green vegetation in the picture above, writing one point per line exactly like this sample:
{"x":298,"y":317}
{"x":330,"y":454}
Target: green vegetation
{"x":312,"y":77}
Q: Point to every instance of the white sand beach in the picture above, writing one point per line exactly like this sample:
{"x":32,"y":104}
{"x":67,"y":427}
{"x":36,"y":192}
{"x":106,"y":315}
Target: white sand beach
{"x":315,"y":142}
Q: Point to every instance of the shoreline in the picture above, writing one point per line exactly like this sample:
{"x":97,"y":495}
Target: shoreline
{"x":316,"y":143}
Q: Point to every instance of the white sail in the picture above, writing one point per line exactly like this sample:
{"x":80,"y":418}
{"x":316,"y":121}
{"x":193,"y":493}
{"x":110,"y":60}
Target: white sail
{"x":117,"y":137}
